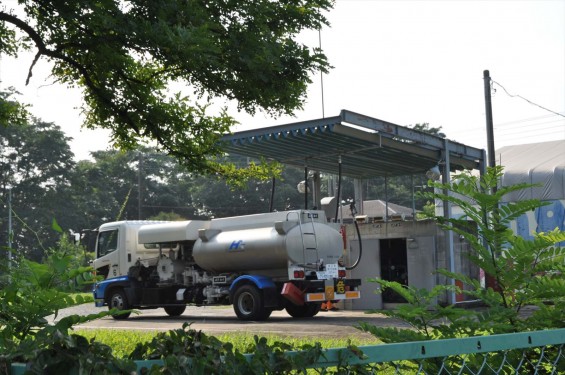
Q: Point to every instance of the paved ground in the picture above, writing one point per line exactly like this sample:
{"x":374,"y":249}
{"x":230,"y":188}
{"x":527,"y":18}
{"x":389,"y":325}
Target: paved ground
{"x":216,"y":320}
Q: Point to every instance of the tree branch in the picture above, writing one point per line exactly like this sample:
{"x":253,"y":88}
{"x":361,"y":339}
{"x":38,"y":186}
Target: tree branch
{"x":42,"y":49}
{"x":30,"y":31}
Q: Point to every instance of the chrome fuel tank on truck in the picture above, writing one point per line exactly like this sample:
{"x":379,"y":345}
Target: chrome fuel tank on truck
{"x":269,"y":241}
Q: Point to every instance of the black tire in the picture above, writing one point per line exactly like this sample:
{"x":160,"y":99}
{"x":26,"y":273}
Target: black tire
{"x":175,"y":310}
{"x":307,"y":310}
{"x":119,"y":302}
{"x":248,"y":304}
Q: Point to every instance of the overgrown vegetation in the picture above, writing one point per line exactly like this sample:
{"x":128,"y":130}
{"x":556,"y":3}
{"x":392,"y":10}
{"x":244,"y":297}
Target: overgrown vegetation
{"x":527,"y":272}
{"x":123,"y":342}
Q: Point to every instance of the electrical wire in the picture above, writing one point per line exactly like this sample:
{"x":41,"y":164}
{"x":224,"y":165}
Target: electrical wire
{"x":529,"y":101}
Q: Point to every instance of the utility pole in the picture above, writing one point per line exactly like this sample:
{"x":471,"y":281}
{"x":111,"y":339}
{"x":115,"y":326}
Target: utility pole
{"x":490,"y":280}
{"x":490,"y":129}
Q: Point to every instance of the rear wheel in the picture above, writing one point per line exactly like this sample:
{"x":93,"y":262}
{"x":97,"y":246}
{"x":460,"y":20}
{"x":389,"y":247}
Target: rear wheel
{"x":119,"y":302}
{"x":248,"y":304}
{"x":307,"y":310}
{"x":175,"y":310}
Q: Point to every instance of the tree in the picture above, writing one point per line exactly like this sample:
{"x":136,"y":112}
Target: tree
{"x":130,"y":185}
{"x":425,"y":127}
{"x":215,"y":198}
{"x":36,"y":162}
{"x":11,"y":111}
{"x":126,"y":56}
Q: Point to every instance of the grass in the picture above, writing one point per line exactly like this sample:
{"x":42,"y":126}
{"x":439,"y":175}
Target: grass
{"x":86,"y":297}
{"x":123,"y":342}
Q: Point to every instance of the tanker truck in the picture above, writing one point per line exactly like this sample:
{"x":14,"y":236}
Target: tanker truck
{"x":292,"y":260}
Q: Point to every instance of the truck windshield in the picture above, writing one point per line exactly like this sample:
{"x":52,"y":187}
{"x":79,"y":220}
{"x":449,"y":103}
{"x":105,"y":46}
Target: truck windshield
{"x":107,"y":242}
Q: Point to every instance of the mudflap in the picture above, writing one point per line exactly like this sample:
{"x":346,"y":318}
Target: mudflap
{"x":271,"y":297}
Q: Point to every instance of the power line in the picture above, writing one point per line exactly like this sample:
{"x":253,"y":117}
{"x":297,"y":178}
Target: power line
{"x":508,"y":126}
{"x":529,"y":101}
{"x":524,"y":120}
{"x":538,"y":126}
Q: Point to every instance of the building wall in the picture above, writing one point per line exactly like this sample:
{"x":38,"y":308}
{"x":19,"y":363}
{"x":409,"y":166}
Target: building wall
{"x":426,"y":251}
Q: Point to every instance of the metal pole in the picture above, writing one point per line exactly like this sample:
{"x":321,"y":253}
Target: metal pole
{"x":305,"y":187}
{"x":386,"y":199}
{"x":272,"y":204}
{"x":321,"y":74}
{"x":338,"y":191}
{"x":413,"y":198}
{"x":489,"y":281}
{"x":9,"y":229}
{"x":488,"y":112}
{"x":139,"y":188}
{"x":447,"y":216}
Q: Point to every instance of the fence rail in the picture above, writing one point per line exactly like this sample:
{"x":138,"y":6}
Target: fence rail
{"x":536,"y":352}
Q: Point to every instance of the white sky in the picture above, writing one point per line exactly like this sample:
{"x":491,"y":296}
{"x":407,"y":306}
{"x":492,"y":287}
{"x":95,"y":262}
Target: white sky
{"x":402,"y":61}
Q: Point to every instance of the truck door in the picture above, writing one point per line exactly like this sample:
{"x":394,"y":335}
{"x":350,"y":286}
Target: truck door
{"x":107,"y":260}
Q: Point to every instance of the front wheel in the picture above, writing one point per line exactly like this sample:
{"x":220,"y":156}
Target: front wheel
{"x":175,"y":310}
{"x":119,"y":302}
{"x":248,"y":304}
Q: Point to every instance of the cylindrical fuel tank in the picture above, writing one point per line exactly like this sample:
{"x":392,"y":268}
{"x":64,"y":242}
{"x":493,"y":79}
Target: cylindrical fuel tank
{"x":267,"y":248}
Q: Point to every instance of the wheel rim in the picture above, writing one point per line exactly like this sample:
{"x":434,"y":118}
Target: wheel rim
{"x":246,"y":303}
{"x":118,"y":302}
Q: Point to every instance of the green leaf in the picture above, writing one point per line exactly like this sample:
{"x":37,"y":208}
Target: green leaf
{"x":55,"y":226}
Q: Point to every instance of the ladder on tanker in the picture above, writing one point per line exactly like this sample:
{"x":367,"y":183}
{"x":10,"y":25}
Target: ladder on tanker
{"x":309,"y":240}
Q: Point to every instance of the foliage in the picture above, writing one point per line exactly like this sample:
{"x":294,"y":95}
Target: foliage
{"x":36,"y":162}
{"x":29,"y":293}
{"x":425,"y":127}
{"x":167,"y":216}
{"x":527,"y":272}
{"x":11,"y":111}
{"x":58,"y":352}
{"x":73,"y":256}
{"x":191,"y":351}
{"x":123,"y":342}
{"x":127,"y":58}
{"x":216,"y":198}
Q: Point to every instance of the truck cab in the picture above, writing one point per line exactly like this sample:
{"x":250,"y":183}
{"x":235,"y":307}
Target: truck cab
{"x":117,"y":248}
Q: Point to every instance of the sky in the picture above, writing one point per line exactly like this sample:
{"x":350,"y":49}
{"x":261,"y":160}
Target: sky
{"x":401,"y":61}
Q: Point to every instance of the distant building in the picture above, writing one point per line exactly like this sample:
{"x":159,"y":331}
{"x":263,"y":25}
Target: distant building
{"x":542,"y":164}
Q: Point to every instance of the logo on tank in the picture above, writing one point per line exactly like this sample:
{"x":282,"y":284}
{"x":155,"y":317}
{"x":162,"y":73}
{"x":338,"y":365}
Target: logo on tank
{"x":237,"y":246}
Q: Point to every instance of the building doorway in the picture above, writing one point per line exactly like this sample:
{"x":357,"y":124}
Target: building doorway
{"x":394,"y":266}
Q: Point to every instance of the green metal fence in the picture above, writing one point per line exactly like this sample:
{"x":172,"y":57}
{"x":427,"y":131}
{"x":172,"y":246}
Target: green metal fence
{"x":537,"y":352}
